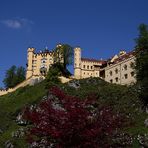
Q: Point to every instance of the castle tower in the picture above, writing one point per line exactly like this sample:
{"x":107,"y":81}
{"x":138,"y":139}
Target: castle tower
{"x":77,"y":63}
{"x":29,"y":71}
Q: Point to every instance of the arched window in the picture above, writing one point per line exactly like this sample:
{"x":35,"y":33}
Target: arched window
{"x":43,"y":60}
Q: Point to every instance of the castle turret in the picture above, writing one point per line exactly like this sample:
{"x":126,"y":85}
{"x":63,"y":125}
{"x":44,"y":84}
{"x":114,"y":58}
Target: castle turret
{"x":77,"y":63}
{"x":29,"y":71}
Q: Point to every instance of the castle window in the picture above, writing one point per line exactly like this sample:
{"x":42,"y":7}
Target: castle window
{"x":132,"y":74}
{"x":83,"y":66}
{"x":125,"y":76}
{"x":111,"y":81}
{"x":111,"y":73}
{"x":116,"y":79}
{"x":43,"y":60}
{"x":91,"y":67}
{"x":125,"y":67}
{"x":116,"y":71}
{"x":132,"y":65}
{"x":84,"y":73}
{"x":87,"y":66}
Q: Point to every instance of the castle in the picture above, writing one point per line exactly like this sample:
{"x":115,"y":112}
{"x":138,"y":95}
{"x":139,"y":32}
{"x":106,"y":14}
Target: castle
{"x":118,"y":69}
{"x":39,"y":63}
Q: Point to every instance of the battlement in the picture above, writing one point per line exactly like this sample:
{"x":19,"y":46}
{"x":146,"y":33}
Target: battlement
{"x":3,"y":92}
{"x":44,"y":53}
{"x":31,"y":49}
{"x":77,"y":49}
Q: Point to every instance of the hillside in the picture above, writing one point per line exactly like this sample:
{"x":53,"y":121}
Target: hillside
{"x":122,"y":99}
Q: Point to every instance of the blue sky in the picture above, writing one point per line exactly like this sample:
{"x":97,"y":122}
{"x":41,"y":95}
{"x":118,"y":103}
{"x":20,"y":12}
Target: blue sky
{"x":100,"y":27}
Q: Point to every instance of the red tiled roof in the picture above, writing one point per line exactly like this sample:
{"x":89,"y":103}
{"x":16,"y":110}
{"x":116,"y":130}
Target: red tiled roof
{"x":93,"y":60}
{"x":124,"y":57}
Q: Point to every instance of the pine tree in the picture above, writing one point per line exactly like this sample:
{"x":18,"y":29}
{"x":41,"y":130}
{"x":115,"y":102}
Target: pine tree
{"x":142,"y":62}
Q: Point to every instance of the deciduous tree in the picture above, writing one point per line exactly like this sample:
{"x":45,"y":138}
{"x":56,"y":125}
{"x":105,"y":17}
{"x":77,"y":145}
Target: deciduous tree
{"x":64,"y":121}
{"x":14,"y":75}
{"x":64,"y":53}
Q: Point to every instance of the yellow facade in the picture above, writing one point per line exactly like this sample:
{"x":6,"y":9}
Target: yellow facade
{"x":38,"y":63}
{"x":119,"y":69}
{"x":84,"y":68}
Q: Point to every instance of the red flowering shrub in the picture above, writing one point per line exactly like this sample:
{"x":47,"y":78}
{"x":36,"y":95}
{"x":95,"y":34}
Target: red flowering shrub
{"x":64,"y":121}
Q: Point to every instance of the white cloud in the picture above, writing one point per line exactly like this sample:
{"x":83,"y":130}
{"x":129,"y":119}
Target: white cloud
{"x":16,"y":23}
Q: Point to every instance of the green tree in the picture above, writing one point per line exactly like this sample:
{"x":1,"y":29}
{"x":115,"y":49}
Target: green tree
{"x":64,"y":53}
{"x":54,"y":72}
{"x":14,"y":75}
{"x":142,"y":62}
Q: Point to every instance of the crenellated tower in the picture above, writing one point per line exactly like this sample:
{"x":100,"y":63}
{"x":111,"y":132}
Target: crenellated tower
{"x":77,"y":62}
{"x":30,"y":54}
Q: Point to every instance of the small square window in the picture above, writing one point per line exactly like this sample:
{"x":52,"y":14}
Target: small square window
{"x":116,"y":71}
{"x":125,"y":76}
{"x":111,"y":73}
{"x":132,"y":65}
{"x":125,"y":67}
{"x":116,"y":79}
{"x":132,"y":74}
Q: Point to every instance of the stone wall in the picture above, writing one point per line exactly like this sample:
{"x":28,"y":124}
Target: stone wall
{"x":30,"y":81}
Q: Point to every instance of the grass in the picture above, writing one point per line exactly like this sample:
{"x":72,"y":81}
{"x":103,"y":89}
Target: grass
{"x":12,"y":103}
{"x":122,"y":99}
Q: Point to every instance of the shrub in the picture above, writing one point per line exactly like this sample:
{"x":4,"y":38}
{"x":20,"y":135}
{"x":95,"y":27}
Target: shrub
{"x":65,"y":121}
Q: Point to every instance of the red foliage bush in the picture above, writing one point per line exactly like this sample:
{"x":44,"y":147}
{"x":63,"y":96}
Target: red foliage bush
{"x":65,"y":121}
